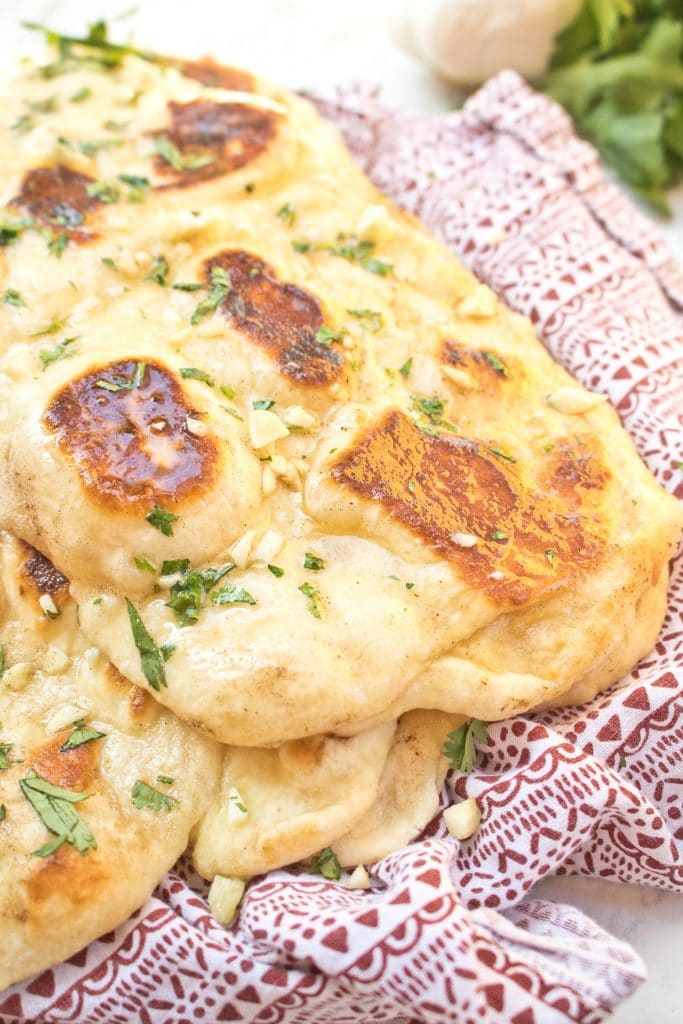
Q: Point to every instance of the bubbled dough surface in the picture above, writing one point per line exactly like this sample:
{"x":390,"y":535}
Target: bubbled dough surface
{"x":378,"y":645}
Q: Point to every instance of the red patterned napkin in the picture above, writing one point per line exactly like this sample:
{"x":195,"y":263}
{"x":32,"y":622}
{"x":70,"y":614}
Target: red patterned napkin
{"x":446,"y":934}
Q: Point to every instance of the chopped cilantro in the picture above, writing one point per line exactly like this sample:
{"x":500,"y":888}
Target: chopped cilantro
{"x":193,"y":373}
{"x":497,"y":364}
{"x":145,"y":797}
{"x":115,"y":384}
{"x":230,"y":594}
{"x":108,"y":262}
{"x":150,"y":658}
{"x":287,"y":213}
{"x":11,"y":297}
{"x":187,"y":286}
{"x":300,"y":246}
{"x":167,"y":650}
{"x":326,"y":864}
{"x":104,"y":191}
{"x":172,"y":155}
{"x":23,"y":124}
{"x":54,"y":807}
{"x":4,"y":756}
{"x":409,"y":586}
{"x":81,"y":734}
{"x":84,"y":93}
{"x":326,"y":336}
{"x":57,"y":244}
{"x":220,"y":286}
{"x":162,"y":521}
{"x":93,"y":50}
{"x":360,"y":252}
{"x":312,"y":595}
{"x":459,"y":747}
{"x":159,"y":271}
{"x":187,"y":595}
{"x":145,"y":566}
{"x":406,"y":368}
{"x":550,"y":555}
{"x":313,"y":562}
{"x":500,"y":454}
{"x":226,"y":390}
{"x":276,"y":570}
{"x":431,"y":407}
{"x":60,"y":351}
{"x":12,"y":228}
{"x":498,"y":535}
{"x":3,"y":812}
{"x":263,"y":403}
{"x":165,"y":780}
{"x":170,"y":566}
{"x":370,"y":319}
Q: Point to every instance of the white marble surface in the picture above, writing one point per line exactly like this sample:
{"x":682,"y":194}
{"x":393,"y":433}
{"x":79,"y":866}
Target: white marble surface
{"x":311,"y":44}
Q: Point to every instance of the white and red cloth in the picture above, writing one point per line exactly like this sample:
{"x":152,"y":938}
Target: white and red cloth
{"x":447,"y":934}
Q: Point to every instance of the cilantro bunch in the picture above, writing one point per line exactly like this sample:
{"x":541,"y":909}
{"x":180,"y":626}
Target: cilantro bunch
{"x":618,"y":70}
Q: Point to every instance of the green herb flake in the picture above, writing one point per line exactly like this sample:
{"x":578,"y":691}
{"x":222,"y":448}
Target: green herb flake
{"x":432,"y":407}
{"x":220,"y":286}
{"x":162,"y":521}
{"x":369,"y":318}
{"x":499,"y":535}
{"x":108,"y":262}
{"x":104,"y":191}
{"x":192,"y":373}
{"x":178,"y":161}
{"x":5,"y":762}
{"x":170,"y":566}
{"x":150,"y":658}
{"x":145,"y":566}
{"x":23,"y":124}
{"x":231,"y":594}
{"x":550,"y":555}
{"x":60,"y":351}
{"x":300,"y":246}
{"x":165,"y":780}
{"x":11,"y":297}
{"x":249,"y":187}
{"x":263,"y":403}
{"x":55,"y":808}
{"x":276,"y":571}
{"x":145,"y":797}
{"x":326,"y":864}
{"x":493,"y":361}
{"x":500,"y":454}
{"x":57,"y":244}
{"x":409,"y":586}
{"x":460,"y":748}
{"x":82,"y":94}
{"x":406,"y":368}
{"x":3,"y":812}
{"x":325,"y":336}
{"x":287,"y":214}
{"x":52,"y":328}
{"x":312,"y":595}
{"x":166,"y":651}
{"x":187,"y":286}
{"x":159,"y":271}
{"x":81,"y":734}
{"x":188,"y":594}
{"x":313,"y":562}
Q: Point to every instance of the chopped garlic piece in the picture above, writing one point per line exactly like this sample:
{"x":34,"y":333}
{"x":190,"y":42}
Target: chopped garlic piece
{"x":241,"y":551}
{"x":496,"y":576}
{"x":196,"y":427}
{"x":268,"y":481}
{"x":92,"y":656}
{"x":225,"y":896}
{"x":268,"y":547}
{"x":166,"y":582}
{"x":480,"y":303}
{"x":18,"y":676}
{"x":63,"y":717}
{"x":297,"y":416}
{"x":459,"y":377}
{"x":48,"y":605}
{"x":237,"y":809}
{"x":285,"y":471}
{"x":265,"y":427}
{"x":571,"y":399}
{"x":359,"y":878}
{"x":462,"y":820}
{"x":55,"y":661}
{"x":464,"y":540}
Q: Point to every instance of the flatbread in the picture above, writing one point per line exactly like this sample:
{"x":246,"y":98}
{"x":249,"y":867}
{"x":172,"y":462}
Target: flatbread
{"x":463,"y":541}
{"x":53,"y":904}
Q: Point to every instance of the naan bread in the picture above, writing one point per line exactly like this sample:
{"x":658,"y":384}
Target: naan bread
{"x":454,"y":522}
{"x":53,"y":903}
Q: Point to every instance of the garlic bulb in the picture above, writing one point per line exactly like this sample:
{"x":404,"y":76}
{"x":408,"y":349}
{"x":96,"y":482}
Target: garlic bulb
{"x":467,"y":41}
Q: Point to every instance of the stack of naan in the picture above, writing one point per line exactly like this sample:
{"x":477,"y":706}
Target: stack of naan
{"x":287,"y":496}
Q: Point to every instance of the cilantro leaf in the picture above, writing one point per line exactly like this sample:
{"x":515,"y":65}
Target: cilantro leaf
{"x":58,"y":352}
{"x":326,"y":864}
{"x":370,"y":319}
{"x":313,"y":562}
{"x":11,"y":297}
{"x":312,"y":595}
{"x":80,"y":735}
{"x":162,"y":520}
{"x":459,"y":747}
{"x":54,"y":807}
{"x":191,"y":372}
{"x":188,"y":594}
{"x":151,"y":660}
{"x":145,"y":797}
{"x":230,"y":594}
{"x":159,"y":271}
{"x":220,"y":286}
{"x":178,"y":161}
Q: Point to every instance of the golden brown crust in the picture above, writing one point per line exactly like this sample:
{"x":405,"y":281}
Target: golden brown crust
{"x":57,"y":198}
{"x":74,"y":769}
{"x":439,"y":487}
{"x":486,"y":369}
{"x":216,"y":76}
{"x":39,"y":576}
{"x":280,"y":317}
{"x":229,"y":135}
{"x":132,"y":446}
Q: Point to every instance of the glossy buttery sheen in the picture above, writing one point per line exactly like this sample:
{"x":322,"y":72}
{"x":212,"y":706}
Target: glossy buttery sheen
{"x":327,"y":401}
